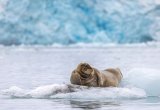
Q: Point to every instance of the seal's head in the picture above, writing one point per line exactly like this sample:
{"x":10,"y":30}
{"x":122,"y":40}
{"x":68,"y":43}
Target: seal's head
{"x":83,"y":75}
{"x":84,"y":70}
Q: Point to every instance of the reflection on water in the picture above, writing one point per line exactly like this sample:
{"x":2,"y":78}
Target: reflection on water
{"x":85,"y":105}
{"x":88,"y":104}
{"x":144,"y":103}
{"x":91,"y":104}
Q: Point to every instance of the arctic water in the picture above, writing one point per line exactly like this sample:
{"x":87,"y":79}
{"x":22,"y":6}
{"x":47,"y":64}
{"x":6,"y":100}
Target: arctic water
{"x":37,"y":77}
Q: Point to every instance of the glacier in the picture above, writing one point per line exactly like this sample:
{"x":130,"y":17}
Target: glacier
{"x":47,"y":22}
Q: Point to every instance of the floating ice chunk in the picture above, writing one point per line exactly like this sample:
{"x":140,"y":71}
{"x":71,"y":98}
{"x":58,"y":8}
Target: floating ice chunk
{"x":15,"y":91}
{"x":144,"y":78}
{"x":73,"y":91}
{"x":104,"y":93}
{"x":46,"y":91}
{"x":42,"y":91}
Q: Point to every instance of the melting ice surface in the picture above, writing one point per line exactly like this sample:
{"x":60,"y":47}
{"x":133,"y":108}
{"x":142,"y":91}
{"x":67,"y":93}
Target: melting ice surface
{"x":78,"y":21}
{"x":57,"y":91}
{"x":150,"y":82}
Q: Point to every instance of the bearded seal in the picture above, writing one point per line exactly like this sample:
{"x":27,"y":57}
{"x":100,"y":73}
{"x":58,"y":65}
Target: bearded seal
{"x":86,"y":75}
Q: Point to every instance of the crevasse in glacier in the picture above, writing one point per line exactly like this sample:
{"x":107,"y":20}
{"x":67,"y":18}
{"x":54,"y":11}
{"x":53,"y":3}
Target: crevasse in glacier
{"x":67,"y":22}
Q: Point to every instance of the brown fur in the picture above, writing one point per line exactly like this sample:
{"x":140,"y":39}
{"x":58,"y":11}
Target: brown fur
{"x":86,"y":75}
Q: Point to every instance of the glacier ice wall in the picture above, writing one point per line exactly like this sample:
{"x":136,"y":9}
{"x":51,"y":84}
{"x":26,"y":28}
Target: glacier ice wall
{"x":46,"y":22}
